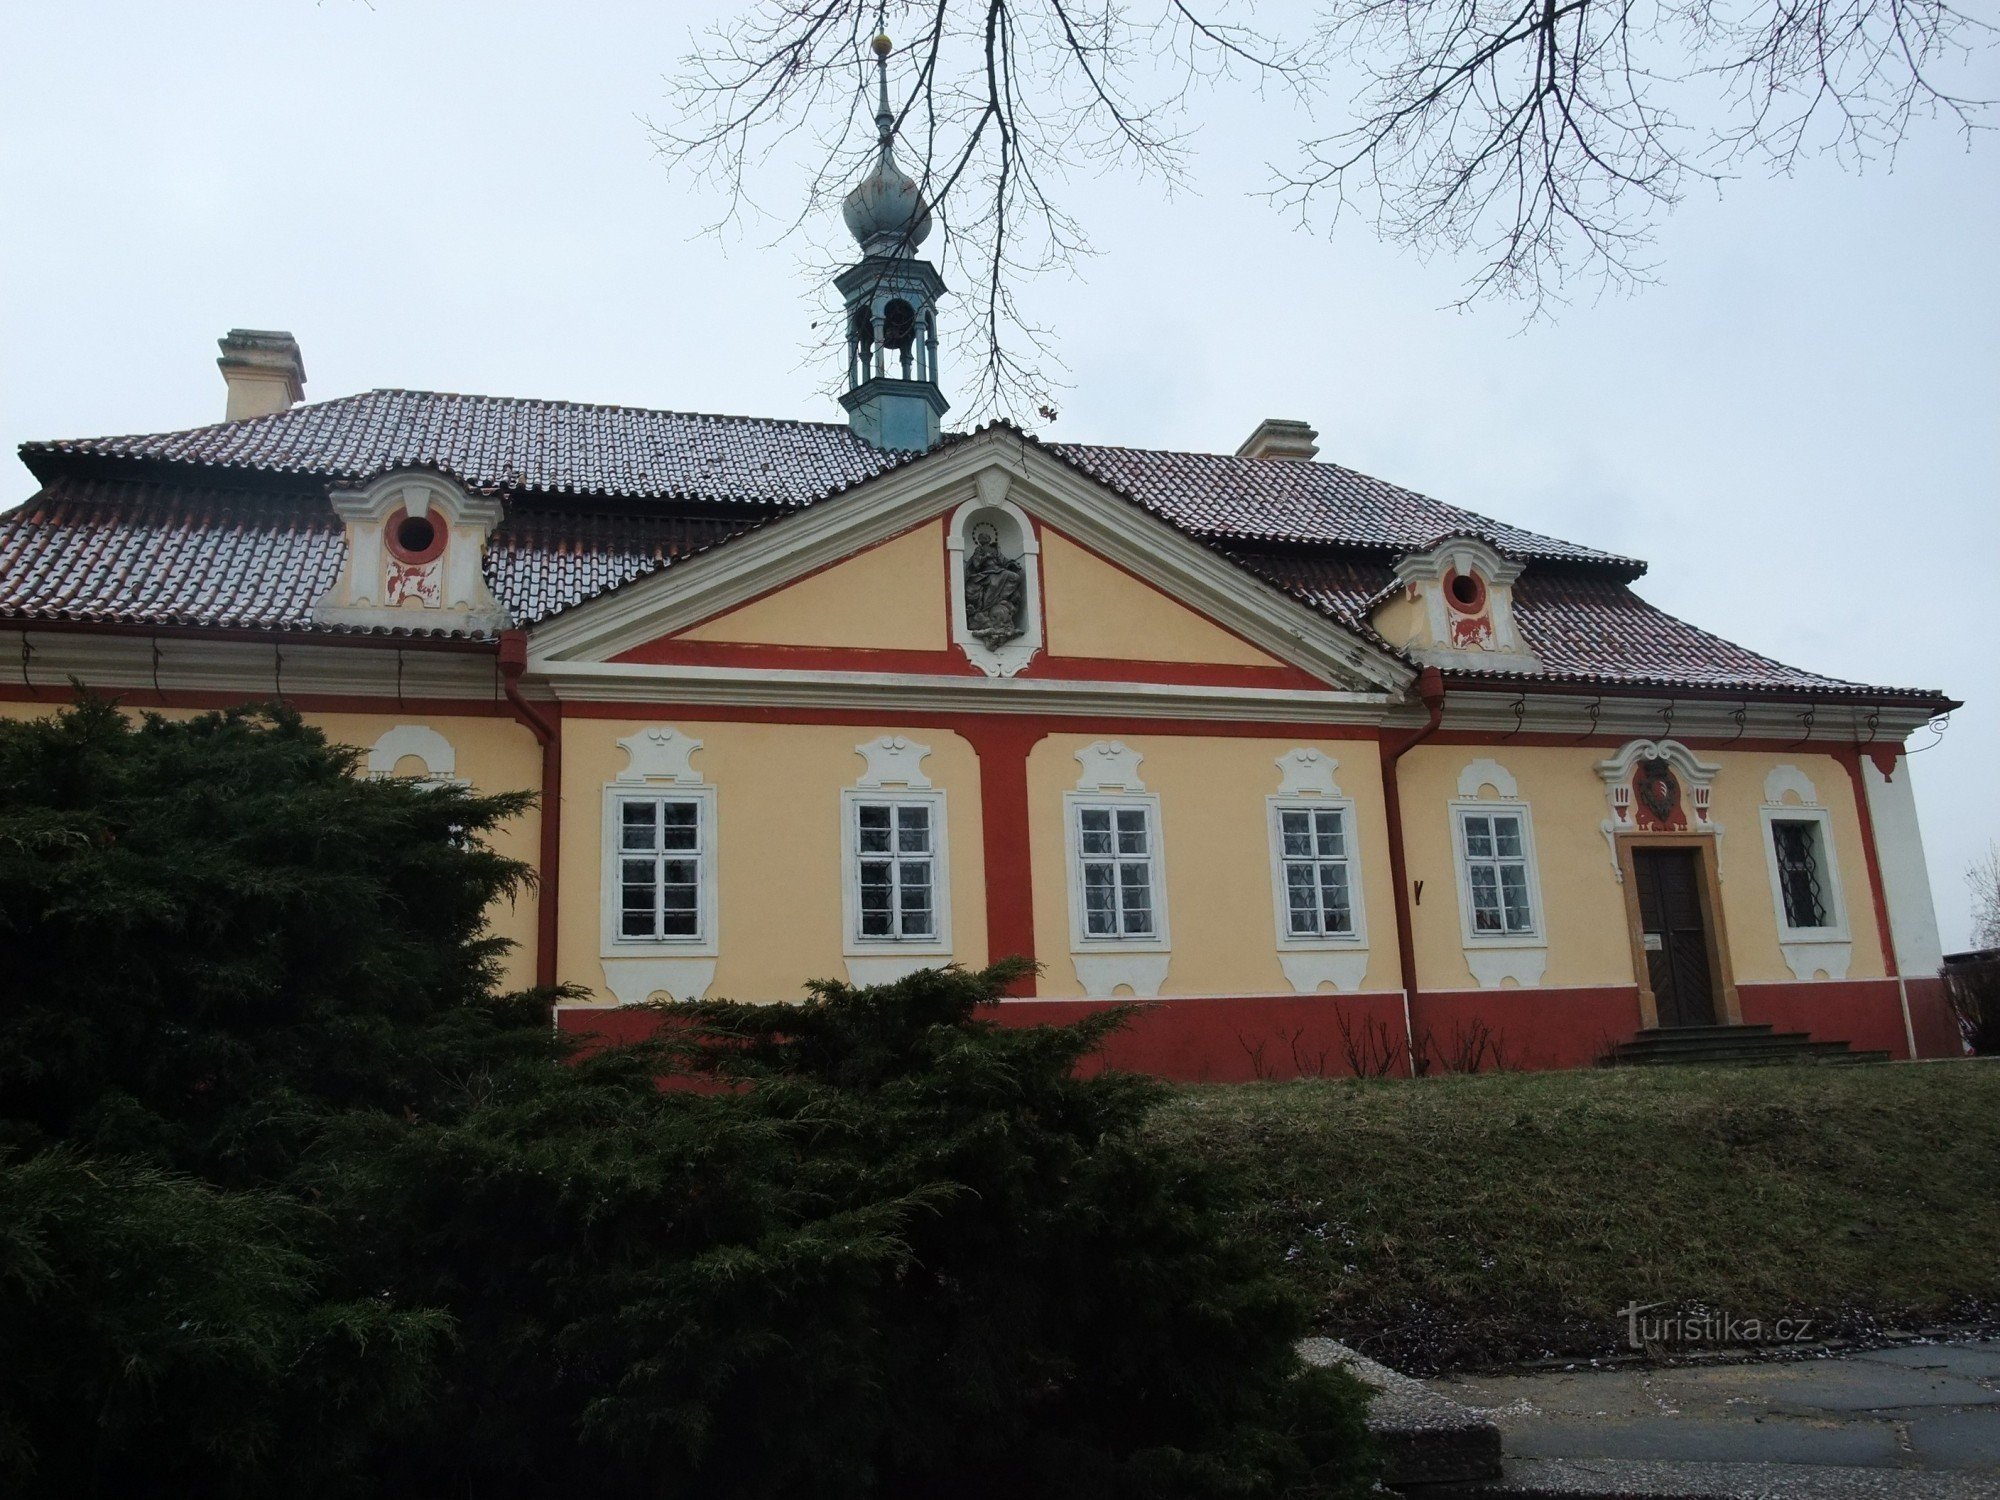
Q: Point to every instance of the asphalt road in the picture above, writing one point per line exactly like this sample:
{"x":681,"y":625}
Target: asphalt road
{"x":1923,"y":1408}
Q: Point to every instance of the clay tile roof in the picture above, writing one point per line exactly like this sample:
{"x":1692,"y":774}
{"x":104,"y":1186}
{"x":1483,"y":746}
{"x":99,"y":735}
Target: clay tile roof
{"x":1582,"y":625}
{"x":145,"y":553}
{"x":1297,"y":500}
{"x":229,"y":526}
{"x":532,"y":447}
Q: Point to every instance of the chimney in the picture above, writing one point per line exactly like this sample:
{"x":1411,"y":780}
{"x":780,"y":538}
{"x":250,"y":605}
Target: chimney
{"x":1277,"y":437}
{"x":263,"y":370}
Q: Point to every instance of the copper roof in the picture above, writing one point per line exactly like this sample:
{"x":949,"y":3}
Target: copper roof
{"x":228,"y":526}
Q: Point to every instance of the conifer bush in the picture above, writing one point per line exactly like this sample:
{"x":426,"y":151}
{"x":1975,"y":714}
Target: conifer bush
{"x":291,"y":1199}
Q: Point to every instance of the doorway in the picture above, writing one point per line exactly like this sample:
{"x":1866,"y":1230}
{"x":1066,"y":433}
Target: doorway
{"x":1674,"y":935}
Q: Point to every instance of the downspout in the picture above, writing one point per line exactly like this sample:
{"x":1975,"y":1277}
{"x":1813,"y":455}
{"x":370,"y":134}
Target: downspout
{"x":548,"y":734}
{"x":1430,"y":688}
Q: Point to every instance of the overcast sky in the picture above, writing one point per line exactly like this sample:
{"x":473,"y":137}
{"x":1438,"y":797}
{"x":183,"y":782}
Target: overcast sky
{"x":1798,"y":429}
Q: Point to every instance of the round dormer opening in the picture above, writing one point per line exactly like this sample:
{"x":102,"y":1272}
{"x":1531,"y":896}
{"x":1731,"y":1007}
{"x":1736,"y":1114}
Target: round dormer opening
{"x":1465,"y":591}
{"x":415,"y":539}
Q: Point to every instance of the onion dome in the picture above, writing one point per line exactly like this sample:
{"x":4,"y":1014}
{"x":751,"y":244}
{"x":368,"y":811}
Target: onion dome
{"x":885,"y":211}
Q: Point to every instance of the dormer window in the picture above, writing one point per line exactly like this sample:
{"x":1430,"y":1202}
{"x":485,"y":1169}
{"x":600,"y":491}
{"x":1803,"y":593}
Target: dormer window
{"x":416,"y":544}
{"x":1456,"y":608}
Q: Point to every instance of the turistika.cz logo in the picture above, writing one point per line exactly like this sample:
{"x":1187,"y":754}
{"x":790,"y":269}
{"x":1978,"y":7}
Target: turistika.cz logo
{"x":1702,"y":1325}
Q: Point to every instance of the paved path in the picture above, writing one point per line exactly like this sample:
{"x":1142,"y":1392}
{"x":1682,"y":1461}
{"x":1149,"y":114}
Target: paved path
{"x":1927,"y":1408}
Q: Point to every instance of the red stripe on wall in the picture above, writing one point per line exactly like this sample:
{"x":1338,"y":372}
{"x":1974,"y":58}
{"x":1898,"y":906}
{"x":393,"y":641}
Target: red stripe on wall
{"x":671,"y":651}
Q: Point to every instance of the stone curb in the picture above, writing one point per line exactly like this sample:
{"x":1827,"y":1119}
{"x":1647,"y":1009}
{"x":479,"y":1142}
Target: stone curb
{"x":1425,"y":1438}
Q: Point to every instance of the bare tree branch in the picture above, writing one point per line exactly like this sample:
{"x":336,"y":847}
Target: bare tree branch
{"x":1546,"y":138}
{"x":1003,"y":104}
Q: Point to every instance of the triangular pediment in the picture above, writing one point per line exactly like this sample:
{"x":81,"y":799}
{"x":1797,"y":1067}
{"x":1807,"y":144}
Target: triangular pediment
{"x":877,"y":575}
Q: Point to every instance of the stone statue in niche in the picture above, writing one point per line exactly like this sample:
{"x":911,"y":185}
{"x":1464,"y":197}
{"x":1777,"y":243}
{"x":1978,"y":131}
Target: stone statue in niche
{"x":996,"y":592}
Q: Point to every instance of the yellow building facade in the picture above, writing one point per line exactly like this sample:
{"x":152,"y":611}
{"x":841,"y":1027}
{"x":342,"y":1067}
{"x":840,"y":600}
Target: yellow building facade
{"x":1326,"y":776}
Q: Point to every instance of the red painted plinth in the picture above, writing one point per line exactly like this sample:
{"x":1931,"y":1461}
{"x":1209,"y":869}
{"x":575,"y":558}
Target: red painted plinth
{"x":1867,"y":1014}
{"x":1530,"y":1029}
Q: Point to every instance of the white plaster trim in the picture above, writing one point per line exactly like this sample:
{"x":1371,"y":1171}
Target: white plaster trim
{"x":1492,"y":966}
{"x":1480,"y":774}
{"x":1696,"y":777}
{"x":660,"y":754}
{"x":888,"y":969}
{"x":358,"y":596}
{"x":423,"y":742}
{"x":659,"y":764}
{"x":893,"y":760}
{"x":290,"y":668}
{"x":1307,"y":772}
{"x":1011,"y":656}
{"x":1307,"y":969}
{"x":1832,"y":885}
{"x":938,"y":947}
{"x":1789,"y":778}
{"x":1109,"y":766}
{"x":1806,"y":960}
{"x":1906,"y":883}
{"x":635,"y":980}
{"x":1570,"y":713}
{"x":1101,"y":974}
{"x":715,"y":581}
{"x":879,"y":692}
{"x":1424,"y":574}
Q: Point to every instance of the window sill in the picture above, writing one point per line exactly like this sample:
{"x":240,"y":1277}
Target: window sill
{"x":1140,"y":972}
{"x":1809,"y":959}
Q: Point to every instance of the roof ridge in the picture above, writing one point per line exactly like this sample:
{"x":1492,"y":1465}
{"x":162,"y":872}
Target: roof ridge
{"x":642,"y":411}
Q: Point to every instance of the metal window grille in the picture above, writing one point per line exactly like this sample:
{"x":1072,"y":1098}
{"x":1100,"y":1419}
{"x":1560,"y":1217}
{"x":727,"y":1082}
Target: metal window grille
{"x":1798,"y":873}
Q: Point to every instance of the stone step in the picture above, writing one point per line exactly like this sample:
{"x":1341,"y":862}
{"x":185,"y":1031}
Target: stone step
{"x":1731,"y":1046}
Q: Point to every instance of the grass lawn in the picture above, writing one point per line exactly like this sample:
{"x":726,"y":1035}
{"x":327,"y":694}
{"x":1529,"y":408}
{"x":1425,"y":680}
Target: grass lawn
{"x":1467,"y":1221}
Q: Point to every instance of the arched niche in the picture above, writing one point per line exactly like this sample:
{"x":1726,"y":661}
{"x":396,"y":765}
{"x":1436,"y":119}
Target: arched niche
{"x":983,"y":526}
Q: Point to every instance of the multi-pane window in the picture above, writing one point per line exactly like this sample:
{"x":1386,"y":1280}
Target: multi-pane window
{"x":1797,"y":846}
{"x":1312,"y":848}
{"x":661,"y":845}
{"x":1115,"y":859}
{"x":1496,"y":874}
{"x":895,"y":845}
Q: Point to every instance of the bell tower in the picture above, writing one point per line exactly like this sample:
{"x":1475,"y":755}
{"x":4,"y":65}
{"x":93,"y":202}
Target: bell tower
{"x":892,"y":396}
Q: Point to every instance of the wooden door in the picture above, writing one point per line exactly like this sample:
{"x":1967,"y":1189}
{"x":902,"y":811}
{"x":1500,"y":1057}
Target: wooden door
{"x":1674,"y":935}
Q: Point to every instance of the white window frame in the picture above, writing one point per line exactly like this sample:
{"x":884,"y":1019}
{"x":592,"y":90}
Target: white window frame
{"x":1830,"y":885}
{"x":1082,"y":940}
{"x":1471,"y":807}
{"x":702,"y":943}
{"x":1275,"y":809}
{"x":851,"y":801}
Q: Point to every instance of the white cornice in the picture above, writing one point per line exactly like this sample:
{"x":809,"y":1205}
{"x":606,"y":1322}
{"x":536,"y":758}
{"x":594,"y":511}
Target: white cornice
{"x":189,"y":664}
{"x":623,"y":682}
{"x":719,"y":580}
{"x":1667,"y":715}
